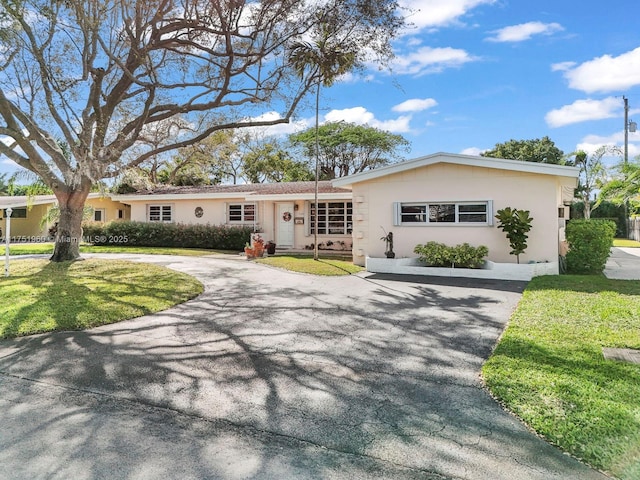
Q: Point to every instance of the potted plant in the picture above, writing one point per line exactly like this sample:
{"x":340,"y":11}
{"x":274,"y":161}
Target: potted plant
{"x":258,"y":245}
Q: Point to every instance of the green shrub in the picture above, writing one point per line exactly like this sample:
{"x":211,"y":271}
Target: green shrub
{"x":590,"y":244}
{"x":154,"y":234}
{"x":436,"y":254}
{"x":516,"y":224}
{"x":467,"y":256}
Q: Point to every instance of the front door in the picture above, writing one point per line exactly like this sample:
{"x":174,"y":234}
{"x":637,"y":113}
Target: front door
{"x":285,"y":225}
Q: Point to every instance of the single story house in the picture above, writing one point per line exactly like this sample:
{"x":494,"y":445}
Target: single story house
{"x":447,"y":198}
{"x":282,"y":212}
{"x":452,"y":199}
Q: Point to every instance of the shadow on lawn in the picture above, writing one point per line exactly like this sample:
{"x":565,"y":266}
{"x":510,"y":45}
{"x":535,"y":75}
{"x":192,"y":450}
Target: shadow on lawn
{"x":584,"y":284}
{"x":587,"y":405}
{"x":87,"y":293}
{"x":349,"y":376}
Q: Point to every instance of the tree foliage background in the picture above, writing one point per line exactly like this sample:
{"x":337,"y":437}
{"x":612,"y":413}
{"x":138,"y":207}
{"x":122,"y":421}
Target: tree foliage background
{"x":542,"y":150}
{"x":103,"y":76}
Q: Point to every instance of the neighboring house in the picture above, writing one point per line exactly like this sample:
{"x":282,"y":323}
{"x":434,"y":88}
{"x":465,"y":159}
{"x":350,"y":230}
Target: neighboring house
{"x":282,"y":212}
{"x":28,"y":212}
{"x":453,"y":199}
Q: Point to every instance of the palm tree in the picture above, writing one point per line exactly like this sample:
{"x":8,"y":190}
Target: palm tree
{"x":323,"y":61}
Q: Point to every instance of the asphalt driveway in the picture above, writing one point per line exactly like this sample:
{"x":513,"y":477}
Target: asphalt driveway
{"x":275,"y":375}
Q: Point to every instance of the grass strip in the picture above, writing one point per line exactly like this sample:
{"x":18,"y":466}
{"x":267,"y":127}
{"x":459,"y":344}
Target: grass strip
{"x":47,"y":249}
{"x":624,"y":242}
{"x":306,"y":264}
{"x":548,"y":368}
{"x":41,"y":296}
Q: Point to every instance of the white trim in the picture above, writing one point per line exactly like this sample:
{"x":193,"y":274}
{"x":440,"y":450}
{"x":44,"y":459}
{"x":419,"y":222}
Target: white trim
{"x":457,"y":159}
{"x":25,"y":201}
{"x":341,"y":196}
{"x":179,"y":196}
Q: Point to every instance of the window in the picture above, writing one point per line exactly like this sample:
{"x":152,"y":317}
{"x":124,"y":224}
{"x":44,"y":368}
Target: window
{"x":241,"y":212}
{"x":334,"y":218}
{"x":443,"y":213}
{"x":120,"y":214}
{"x":99,"y":215}
{"x":160,"y":213}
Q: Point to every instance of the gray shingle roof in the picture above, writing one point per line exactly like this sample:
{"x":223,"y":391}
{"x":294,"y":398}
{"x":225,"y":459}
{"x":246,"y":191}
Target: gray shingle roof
{"x":284,"y":188}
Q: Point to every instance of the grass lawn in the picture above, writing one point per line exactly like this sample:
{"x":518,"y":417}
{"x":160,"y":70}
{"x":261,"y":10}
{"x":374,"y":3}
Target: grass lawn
{"x":47,"y":248}
{"x":549,"y":370}
{"x":624,"y":242}
{"x":41,"y":296}
{"x":306,"y":264}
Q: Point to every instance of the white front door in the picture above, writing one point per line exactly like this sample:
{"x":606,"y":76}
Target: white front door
{"x":285,"y":225}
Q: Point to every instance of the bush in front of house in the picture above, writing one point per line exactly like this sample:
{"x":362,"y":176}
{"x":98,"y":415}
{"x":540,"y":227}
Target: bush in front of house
{"x":435,"y":254}
{"x":590,"y":244}
{"x":154,"y":234}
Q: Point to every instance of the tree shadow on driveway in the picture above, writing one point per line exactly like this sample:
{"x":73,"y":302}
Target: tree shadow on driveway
{"x":311,"y":378}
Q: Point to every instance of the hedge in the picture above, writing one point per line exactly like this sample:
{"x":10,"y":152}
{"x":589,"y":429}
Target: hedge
{"x":590,"y":244}
{"x":436,"y":254}
{"x":152,"y":234}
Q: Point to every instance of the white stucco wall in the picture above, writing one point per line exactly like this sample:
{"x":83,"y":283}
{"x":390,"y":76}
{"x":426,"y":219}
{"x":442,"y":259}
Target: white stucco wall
{"x":445,"y":182}
{"x":215,"y":213}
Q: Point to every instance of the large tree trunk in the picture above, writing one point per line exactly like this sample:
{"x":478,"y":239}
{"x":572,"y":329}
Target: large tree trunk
{"x":69,"y":233}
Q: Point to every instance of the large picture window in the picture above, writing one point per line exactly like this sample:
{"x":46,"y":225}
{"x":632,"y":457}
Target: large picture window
{"x":333,"y":218}
{"x":160,"y":213}
{"x":420,"y":213}
{"x":241,"y":213}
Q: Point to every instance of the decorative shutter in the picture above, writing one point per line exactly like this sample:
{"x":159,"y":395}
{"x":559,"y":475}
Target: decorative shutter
{"x":397,"y":217}
{"x":490,"y":215}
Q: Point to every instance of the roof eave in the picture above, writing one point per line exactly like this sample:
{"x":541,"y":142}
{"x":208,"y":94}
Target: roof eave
{"x":459,"y":159}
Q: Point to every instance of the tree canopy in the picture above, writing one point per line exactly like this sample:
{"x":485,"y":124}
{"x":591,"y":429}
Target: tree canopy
{"x":101,"y":74}
{"x":347,"y":148}
{"x":541,"y":150}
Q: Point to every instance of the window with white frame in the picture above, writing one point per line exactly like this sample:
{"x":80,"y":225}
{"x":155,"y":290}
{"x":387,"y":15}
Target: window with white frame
{"x":241,"y":213}
{"x":99,"y":215}
{"x":435,"y":213}
{"x":160,"y":213}
{"x":333,"y":218}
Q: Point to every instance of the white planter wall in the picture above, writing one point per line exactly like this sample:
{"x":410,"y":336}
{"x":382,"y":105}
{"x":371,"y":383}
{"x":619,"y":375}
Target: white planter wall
{"x":491,"y":270}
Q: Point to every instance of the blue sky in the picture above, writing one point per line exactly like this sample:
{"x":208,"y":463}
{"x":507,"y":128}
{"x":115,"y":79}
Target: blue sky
{"x":473,"y":73}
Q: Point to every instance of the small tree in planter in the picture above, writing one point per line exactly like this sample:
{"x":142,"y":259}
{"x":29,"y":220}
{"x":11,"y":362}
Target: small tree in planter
{"x":516,"y":224}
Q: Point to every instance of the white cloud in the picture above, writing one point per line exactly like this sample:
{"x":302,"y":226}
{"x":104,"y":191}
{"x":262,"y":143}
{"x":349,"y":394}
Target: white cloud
{"x":278,"y":129}
{"x":361,"y":116}
{"x":562,"y":66}
{"x":415,"y":105}
{"x":524,"y":31}
{"x":591,"y":143}
{"x":473,"y":151}
{"x":606,"y":73}
{"x":438,"y":13}
{"x":582,"y":111}
{"x":430,"y":60}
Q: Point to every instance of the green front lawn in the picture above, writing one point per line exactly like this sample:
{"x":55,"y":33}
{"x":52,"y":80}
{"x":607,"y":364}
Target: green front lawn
{"x":47,"y":249}
{"x":548,"y":368}
{"x":624,"y":242}
{"x":41,"y":296}
{"x":306,"y":264}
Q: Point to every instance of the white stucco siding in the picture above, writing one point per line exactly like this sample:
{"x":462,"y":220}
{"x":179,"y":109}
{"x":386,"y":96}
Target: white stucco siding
{"x":448,"y":183}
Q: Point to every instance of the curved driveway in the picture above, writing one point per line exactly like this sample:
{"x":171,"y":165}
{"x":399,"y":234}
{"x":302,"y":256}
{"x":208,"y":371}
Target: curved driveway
{"x":271,"y":374}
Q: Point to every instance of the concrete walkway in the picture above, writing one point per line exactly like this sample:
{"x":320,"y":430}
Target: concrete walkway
{"x":623,"y":264}
{"x":275,"y":375}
